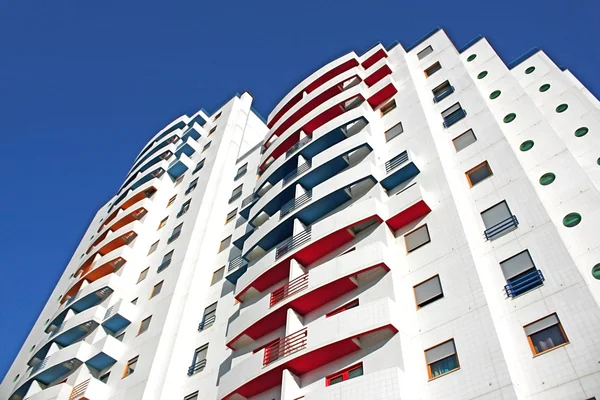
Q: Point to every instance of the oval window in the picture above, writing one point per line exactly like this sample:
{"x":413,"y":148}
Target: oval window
{"x":562,"y":108}
{"x":471,"y":57}
{"x":482,"y":75}
{"x":581,"y":131}
{"x":510,"y":118}
{"x":495,"y":94}
{"x":547,"y":178}
{"x":530,"y":70}
{"x":544,"y":87}
{"x":526,"y":145}
{"x":572,"y":219}
{"x":596,"y":271}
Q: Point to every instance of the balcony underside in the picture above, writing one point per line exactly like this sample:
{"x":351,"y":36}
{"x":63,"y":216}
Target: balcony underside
{"x":400,"y":175}
{"x":100,"y":361}
{"x":410,"y":214}
{"x":385,"y":93}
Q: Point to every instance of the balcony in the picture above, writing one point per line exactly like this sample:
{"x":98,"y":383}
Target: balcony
{"x":399,"y":169}
{"x":196,"y":367}
{"x":523,"y":283}
{"x":133,"y":197}
{"x":406,"y":206}
{"x":285,"y":346}
{"x":236,"y":268}
{"x":179,"y":166}
{"x":501,"y":227}
{"x":295,"y":204}
{"x":91,"y":388}
{"x":247,"y":203}
{"x":207,"y":322}
{"x":443,"y":94}
{"x":292,"y":243}
{"x":454,"y":117}
{"x":289,"y":289}
{"x":119,"y":316}
{"x":295,"y":173}
{"x":106,"y":353}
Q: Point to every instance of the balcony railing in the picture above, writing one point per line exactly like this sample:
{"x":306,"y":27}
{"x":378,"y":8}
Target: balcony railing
{"x":291,"y":243}
{"x":57,"y":330}
{"x":296,"y":146}
{"x":39,"y":366}
{"x":173,"y":237}
{"x":190,"y":189}
{"x":454,"y":117}
{"x":524,"y":283}
{"x":441,"y":96}
{"x":396,"y":161}
{"x":207,"y":322}
{"x":79,"y":390}
{"x":285,"y":346}
{"x":164,"y":265}
{"x":183,"y":211}
{"x":235,"y":197}
{"x":292,"y":287}
{"x":72,"y":299}
{"x":301,"y":169}
{"x":240,"y":174}
{"x":236,"y":263}
{"x":248,"y":200}
{"x":295,"y":203}
{"x":501,"y":227}
{"x":197,"y":367}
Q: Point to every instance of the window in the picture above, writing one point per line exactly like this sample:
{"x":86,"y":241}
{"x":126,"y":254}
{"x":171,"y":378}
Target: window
{"x":237,"y":192}
{"x":130,"y":367}
{"x":104,"y":378}
{"x":209,"y":317}
{"x":166,"y":261}
{"x":433,"y":69}
{"x":231,"y":216}
{"x":143,"y":275}
{"x":134,"y":301}
{"x":425,"y":52}
{"x":241,"y":171}
{"x":144,"y":325}
{"x":156,"y":289}
{"x":498,"y":219}
{"x":178,"y":180}
{"x":417,"y":238}
{"x":199,"y":360}
{"x":176,"y":233}
{"x":428,"y":291}
{"x":453,"y":114}
{"x":441,"y":359}
{"x":520,"y":274}
{"x":225,"y":243}
{"x":479,"y":173}
{"x":212,"y":130}
{"x":153,"y":247}
{"x":184,"y":208}
{"x":341,"y":376}
{"x":442,"y":91}
{"x":217,"y":116}
{"x":192,"y":186}
{"x":389,"y":106}
{"x":163,"y":222}
{"x":171,"y":200}
{"x":463,"y":140}
{"x":198,"y":167}
{"x":545,"y":334}
{"x":393,"y":131}
{"x":345,"y":307}
{"x":193,"y":396}
{"x":217,"y":275}
{"x":206,"y":146}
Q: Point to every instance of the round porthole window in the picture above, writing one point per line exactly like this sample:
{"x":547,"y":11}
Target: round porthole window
{"x":572,"y":219}
{"x":495,"y":94}
{"x":562,"y":108}
{"x":598,"y":161}
{"x":526,"y":145}
{"x":482,"y":75}
{"x":547,"y":178}
{"x":510,"y":118}
{"x":530,"y":70}
{"x":581,"y":131}
{"x":544,"y":87}
{"x":471,"y":57}
{"x":596,"y":271}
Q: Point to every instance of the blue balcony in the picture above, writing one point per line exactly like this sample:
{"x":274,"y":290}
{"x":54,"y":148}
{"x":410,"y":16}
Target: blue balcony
{"x":207,"y":322}
{"x":524,"y":282}
{"x":454,"y":117}
{"x":399,"y":169}
{"x":236,"y":268}
{"x":504,"y":226}
{"x":184,"y":148}
{"x":198,"y":119}
{"x":176,"y":168}
{"x":115,"y":320}
{"x":292,"y":243}
{"x":196,"y":367}
{"x":441,"y":96}
{"x":159,"y":146}
{"x":247,"y":204}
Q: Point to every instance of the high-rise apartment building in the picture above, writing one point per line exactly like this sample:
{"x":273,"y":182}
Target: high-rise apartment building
{"x":410,"y":223}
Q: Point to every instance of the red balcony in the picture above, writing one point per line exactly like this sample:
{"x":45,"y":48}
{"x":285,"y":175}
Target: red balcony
{"x":378,"y":75}
{"x":285,"y":346}
{"x":289,"y":289}
{"x":378,"y":55}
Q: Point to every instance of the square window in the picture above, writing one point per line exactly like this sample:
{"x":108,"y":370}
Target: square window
{"x":521,"y":274}
{"x":349,"y":373}
{"x":393,"y":131}
{"x":433,"y":69}
{"x":425,"y":52}
{"x":175,"y":234}
{"x":241,"y":171}
{"x":214,"y":128}
{"x":545,"y":334}
{"x":428,"y":291}
{"x":163,"y":222}
{"x":217,"y":275}
{"x":464,"y":140}
{"x":225,"y":243}
{"x":184,"y":208}
{"x":345,"y":307}
{"x":479,"y":173}
{"x":171,"y":200}
{"x":156,"y":289}
{"x":231,"y":216}
{"x":441,"y":89}
{"x":130,"y":367}
{"x":143,"y":275}
{"x":206,"y":146}
{"x":456,"y":107}
{"x":389,"y":106}
{"x":153,"y":247}
{"x":442,"y":359}
{"x":193,"y":396}
{"x":417,"y":238}
{"x":498,"y":220}
{"x":198,"y":167}
{"x":166,"y":261}
{"x":144,"y":325}
{"x":237,"y":192}
{"x":192,"y":186}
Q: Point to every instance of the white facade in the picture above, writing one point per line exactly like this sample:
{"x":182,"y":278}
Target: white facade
{"x":398,"y":229}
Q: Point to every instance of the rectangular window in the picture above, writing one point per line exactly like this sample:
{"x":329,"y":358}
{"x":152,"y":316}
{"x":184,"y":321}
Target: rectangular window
{"x":156,"y":289}
{"x":199,"y":360}
{"x":521,"y":274}
{"x":345,"y":307}
{"x":193,"y":396}
{"x":389,"y":106}
{"x":425,"y":52}
{"x":214,"y":128}
{"x":341,"y":376}
{"x":217,"y":116}
{"x":479,"y":173}
{"x":545,"y":334}
{"x":225,"y":243}
{"x":192,"y":186}
{"x":206,"y":146}
{"x":171,"y":200}
{"x":417,"y":238}
{"x":394,"y":131}
{"x":130,"y":367}
{"x":498,"y":219}
{"x":451,"y":110}
{"x":176,"y":233}
{"x":453,"y":114}
{"x":184,"y":208}
{"x":241,"y":171}
{"x":433,"y":69}
{"x":442,"y":359}
{"x":442,"y":91}
{"x":163,"y":222}
{"x":217,"y":275}
{"x":237,"y":192}
{"x":209,"y":317}
{"x":463,"y":140}
{"x":153,"y":247}
{"x":178,"y":180}
{"x":198,"y":167}
{"x":166,"y":261}
{"x":428,"y":291}
{"x":143,"y":275}
{"x":231,"y":216}
{"x":144,"y":325}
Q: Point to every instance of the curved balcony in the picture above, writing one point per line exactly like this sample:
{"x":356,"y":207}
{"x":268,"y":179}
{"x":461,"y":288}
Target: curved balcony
{"x":124,"y":218}
{"x":166,"y":154}
{"x":318,"y":240}
{"x":308,"y":292}
{"x":321,"y":342}
{"x":105,"y":353}
{"x":143,"y":192}
{"x":372,"y":56}
{"x":91,"y":388}
{"x":119,"y":315}
{"x":140,"y":179}
{"x":159,"y":138}
{"x":407,"y":206}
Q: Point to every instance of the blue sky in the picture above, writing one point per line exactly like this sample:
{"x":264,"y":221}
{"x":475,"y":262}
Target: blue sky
{"x":85,"y":84}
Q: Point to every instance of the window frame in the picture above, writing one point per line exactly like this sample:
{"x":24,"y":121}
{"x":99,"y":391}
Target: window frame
{"x":388,"y":139}
{"x":162,"y":223}
{"x":478,"y":166}
{"x":171,"y":201}
{"x":153,"y":293}
{"x":206,"y":146}
{"x":153,"y":247}
{"x":229,"y":218}
{"x":192,"y":396}
{"x":422,"y":244}
{"x":441,"y":88}
{"x":140,"y":331}
{"x":461,"y":135}
{"x":131,"y":361}
{"x":344,"y":374}
{"x":562,"y":331}
{"x":428,"y":69}
{"x":388,"y":107}
{"x":212,"y":130}
{"x":212,"y":280}
{"x":228,"y":240}
{"x":429,"y":47}
{"x":430,"y":377}
{"x":144,"y":273}
{"x":434,"y":298}
{"x":199,"y":166}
